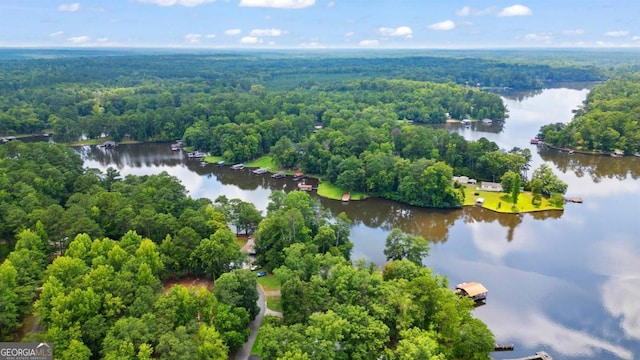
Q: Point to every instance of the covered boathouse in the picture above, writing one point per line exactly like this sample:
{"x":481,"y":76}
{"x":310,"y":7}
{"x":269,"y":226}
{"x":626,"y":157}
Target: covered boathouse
{"x":474,"y":290}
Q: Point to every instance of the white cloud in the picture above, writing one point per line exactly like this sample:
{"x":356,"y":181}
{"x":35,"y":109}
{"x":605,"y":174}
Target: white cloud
{"x":399,"y":31}
{"x":266,"y":32}
{"x":187,"y":3}
{"x":349,"y":34}
{"x":443,"y":25}
{"x":467,"y":11}
{"x":210,"y":36}
{"x":56,"y":34}
{"x":312,"y":45}
{"x":515,"y":10}
{"x":192,"y":38}
{"x":331,"y":4}
{"x":79,"y":39}
{"x":635,"y":38}
{"x":539,"y":37}
{"x":280,"y":4}
{"x":69,"y":7}
{"x":368,"y":43}
{"x":102,"y":40}
{"x":619,"y":33}
{"x":232,"y":32}
{"x":574,"y":32}
{"x":249,"y":40}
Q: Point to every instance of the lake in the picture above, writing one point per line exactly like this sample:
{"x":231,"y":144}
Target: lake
{"x":567,"y":283}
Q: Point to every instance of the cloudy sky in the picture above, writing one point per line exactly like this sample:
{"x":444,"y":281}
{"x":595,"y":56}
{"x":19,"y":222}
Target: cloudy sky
{"x":320,"y":23}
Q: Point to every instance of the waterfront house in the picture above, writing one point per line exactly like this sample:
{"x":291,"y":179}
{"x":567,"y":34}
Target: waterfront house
{"x":490,"y":186}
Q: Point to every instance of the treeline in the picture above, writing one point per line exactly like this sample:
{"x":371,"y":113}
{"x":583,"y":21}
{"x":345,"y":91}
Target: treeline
{"x":608,"y":121}
{"x":156,"y":97}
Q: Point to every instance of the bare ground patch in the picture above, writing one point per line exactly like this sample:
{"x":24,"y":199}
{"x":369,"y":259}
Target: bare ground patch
{"x":188,"y":282}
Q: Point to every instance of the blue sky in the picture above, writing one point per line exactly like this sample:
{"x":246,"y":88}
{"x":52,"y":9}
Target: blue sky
{"x":302,"y":24}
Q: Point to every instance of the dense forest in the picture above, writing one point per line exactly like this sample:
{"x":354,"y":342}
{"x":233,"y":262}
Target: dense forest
{"x":91,"y":254}
{"x":156,"y":97}
{"x":608,"y":121}
{"x":342,"y":119}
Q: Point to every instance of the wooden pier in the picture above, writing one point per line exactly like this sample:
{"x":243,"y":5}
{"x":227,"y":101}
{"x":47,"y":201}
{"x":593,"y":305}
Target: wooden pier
{"x":503,"y":347}
{"x":540,"y":355}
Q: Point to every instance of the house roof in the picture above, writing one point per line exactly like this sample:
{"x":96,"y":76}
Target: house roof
{"x":472,"y":288}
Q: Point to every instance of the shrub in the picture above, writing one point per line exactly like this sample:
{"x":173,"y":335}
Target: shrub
{"x":536,"y":200}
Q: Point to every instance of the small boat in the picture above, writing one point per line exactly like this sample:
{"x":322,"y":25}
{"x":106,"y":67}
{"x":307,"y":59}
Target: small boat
{"x":221,"y":163}
{"x":196,"y":155}
{"x":571,"y":152}
{"x":260,"y":171}
{"x":305,"y":187}
{"x":298,"y":176}
{"x":346,"y":197}
{"x":108,"y":145}
{"x":237,"y":166}
{"x":534,"y":141}
{"x":279,"y":175}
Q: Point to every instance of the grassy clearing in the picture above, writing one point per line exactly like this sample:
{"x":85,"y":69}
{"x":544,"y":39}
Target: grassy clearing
{"x":331,"y":191}
{"x":241,"y":240}
{"x":501,"y":202}
{"x":212,"y":159}
{"x":269,"y":283}
{"x":263,"y":162}
{"x":274,"y":303}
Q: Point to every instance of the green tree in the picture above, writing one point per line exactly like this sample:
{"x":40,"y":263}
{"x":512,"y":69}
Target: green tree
{"x":238,"y":289}
{"x":550,"y":182}
{"x":77,"y":350}
{"x":399,"y":245}
{"x":209,"y":344}
{"x":9,"y":320}
{"x":218,"y":254}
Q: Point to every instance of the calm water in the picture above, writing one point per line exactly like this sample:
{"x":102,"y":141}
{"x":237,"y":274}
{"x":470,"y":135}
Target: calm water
{"x":565,"y":282}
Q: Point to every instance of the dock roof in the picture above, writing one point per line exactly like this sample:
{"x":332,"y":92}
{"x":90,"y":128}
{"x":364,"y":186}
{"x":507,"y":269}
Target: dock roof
{"x":472,"y":288}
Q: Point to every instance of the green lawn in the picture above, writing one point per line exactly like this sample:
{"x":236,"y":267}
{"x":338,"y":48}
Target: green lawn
{"x":330,"y":191}
{"x":263,"y":162}
{"x":269,"y":282}
{"x":274,"y":303}
{"x":501,"y":202}
{"x":212,"y":159}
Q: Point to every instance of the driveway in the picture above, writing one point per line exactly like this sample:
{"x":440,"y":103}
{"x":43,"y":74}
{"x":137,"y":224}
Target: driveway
{"x":245,"y":351}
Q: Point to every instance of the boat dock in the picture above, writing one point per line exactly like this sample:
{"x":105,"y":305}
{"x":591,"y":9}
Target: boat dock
{"x":474,"y":290}
{"x":540,"y":355}
{"x":503,"y":347}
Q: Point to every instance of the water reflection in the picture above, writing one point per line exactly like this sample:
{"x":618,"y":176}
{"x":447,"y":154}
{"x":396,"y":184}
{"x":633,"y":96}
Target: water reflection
{"x":596,"y":167}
